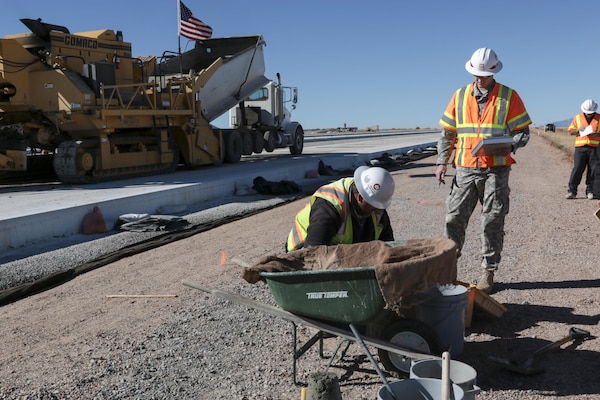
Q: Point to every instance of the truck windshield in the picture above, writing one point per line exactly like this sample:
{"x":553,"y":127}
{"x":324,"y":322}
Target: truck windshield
{"x":259,"y":95}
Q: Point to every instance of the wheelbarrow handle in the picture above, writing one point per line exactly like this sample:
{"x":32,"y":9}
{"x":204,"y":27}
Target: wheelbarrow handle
{"x":370,"y":356}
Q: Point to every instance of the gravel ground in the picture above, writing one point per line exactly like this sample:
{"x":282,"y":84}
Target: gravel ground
{"x":72,"y":341}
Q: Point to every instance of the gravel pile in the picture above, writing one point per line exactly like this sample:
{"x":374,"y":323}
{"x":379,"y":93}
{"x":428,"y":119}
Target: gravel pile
{"x":39,"y":260}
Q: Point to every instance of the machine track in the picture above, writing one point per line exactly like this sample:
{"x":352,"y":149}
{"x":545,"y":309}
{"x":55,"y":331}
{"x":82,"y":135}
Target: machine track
{"x":74,"y":164}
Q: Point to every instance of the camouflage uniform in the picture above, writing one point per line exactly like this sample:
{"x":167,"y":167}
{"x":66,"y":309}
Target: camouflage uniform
{"x":489,"y":187}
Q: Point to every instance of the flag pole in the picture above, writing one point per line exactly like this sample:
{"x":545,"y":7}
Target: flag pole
{"x":179,"y":37}
{"x":180,"y":58}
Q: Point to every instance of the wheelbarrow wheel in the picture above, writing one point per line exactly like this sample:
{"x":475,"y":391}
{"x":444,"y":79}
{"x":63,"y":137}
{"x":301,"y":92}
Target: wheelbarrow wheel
{"x":411,"y":334}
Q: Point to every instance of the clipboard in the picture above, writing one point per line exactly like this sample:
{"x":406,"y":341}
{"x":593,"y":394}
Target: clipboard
{"x":597,"y":214}
{"x":587,"y":131}
{"x":493,"y":146}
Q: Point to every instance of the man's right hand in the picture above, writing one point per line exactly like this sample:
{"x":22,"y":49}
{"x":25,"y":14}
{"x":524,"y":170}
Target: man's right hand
{"x":440,"y":173}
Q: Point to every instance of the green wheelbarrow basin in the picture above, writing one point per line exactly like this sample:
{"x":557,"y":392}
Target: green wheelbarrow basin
{"x":349,"y":295}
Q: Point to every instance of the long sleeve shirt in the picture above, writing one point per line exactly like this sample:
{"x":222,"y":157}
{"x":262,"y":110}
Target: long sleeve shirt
{"x":325,"y":221}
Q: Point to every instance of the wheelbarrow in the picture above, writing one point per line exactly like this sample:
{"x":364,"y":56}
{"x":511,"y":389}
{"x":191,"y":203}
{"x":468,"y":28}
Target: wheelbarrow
{"x":344,"y":303}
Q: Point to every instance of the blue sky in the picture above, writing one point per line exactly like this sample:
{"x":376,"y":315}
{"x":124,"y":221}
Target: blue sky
{"x":362,"y":63}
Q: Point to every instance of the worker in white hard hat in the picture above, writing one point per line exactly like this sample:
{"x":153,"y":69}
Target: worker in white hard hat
{"x":349,"y":210}
{"x":481,"y":110}
{"x":585,"y":159}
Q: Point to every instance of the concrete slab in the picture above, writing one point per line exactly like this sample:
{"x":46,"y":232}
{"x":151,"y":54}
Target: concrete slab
{"x":30,"y":215}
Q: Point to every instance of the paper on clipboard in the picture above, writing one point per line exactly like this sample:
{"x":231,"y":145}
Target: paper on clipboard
{"x":586,"y":131}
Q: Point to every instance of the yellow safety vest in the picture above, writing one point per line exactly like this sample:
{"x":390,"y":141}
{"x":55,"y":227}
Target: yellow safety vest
{"x":593,"y":139}
{"x":503,"y":113}
{"x":337,"y":193}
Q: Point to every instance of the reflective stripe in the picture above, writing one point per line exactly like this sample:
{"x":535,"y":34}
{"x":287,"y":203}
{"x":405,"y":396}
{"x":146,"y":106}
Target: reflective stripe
{"x":460,"y":108}
{"x":298,"y":233}
{"x":333,"y":194}
{"x":447,"y":122}
{"x":504,"y":94}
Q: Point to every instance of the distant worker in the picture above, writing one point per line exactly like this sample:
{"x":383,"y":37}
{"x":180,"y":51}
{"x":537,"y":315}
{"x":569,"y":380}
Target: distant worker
{"x":482,"y":109}
{"x":349,"y":210}
{"x":585,"y":127}
{"x":596,"y":178}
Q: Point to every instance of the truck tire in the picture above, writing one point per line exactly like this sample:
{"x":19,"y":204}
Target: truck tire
{"x":411,"y":334}
{"x":233,"y":146}
{"x":269,"y":139}
{"x":296,"y":148}
{"x":246,"y":142}
{"x":258,"y":142}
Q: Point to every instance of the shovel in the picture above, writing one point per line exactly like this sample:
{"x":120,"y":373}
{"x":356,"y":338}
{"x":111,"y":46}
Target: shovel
{"x":527,"y":368}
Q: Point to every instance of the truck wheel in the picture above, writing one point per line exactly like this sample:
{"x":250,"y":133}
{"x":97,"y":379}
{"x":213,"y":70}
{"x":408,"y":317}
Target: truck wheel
{"x":411,"y":334}
{"x":233,"y":146}
{"x":269,"y":139}
{"x":296,"y":148}
{"x":258,"y":142}
{"x":246,"y":142}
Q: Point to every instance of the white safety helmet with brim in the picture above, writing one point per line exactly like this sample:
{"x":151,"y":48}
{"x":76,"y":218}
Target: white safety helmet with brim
{"x":483,"y":62}
{"x":589,"y":106}
{"x":375,"y":185}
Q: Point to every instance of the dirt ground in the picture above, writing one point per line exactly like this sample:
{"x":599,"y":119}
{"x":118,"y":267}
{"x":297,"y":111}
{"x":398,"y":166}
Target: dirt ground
{"x":72,"y":341}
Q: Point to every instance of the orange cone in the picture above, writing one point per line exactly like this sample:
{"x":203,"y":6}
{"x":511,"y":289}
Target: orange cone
{"x":93,"y":222}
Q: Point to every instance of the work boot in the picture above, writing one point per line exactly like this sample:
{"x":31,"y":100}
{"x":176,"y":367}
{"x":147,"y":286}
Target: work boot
{"x":486,"y":283}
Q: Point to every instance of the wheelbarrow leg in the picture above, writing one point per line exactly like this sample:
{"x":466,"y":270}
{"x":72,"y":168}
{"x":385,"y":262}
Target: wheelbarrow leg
{"x":299,"y":352}
{"x":317,"y":337}
{"x":347,"y":342}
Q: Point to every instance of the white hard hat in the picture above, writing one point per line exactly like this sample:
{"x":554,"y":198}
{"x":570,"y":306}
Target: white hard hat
{"x":589,"y":106}
{"x":484,"y":62}
{"x":375,"y":185}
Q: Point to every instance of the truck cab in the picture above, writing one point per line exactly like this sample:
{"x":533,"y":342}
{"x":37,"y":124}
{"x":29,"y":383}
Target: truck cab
{"x":269,"y":110}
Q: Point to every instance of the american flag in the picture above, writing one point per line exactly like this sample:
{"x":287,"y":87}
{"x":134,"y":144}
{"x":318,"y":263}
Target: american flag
{"x":190,"y":26}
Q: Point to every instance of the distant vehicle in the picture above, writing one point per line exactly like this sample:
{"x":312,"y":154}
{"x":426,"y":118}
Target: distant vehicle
{"x":550,"y":127}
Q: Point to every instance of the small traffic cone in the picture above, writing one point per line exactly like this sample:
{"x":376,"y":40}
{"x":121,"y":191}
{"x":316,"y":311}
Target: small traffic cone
{"x":93,"y":222}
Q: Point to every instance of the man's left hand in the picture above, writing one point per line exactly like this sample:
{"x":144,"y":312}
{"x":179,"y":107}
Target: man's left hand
{"x":520,"y":139}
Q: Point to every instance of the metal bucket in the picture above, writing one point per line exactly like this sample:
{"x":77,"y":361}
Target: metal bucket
{"x":415,"y":389}
{"x":461,"y":374}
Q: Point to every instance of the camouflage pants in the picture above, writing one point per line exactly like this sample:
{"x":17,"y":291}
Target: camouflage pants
{"x":490,"y":188}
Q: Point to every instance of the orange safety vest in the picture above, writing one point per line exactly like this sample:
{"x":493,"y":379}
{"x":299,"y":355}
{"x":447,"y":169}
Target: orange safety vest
{"x":337,"y":193}
{"x":503,"y":114}
{"x":593,"y":139}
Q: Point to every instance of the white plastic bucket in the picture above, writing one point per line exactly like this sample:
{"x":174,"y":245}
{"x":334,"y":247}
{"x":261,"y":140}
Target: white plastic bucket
{"x":415,"y":389}
{"x":461,"y":374}
{"x":443,"y":309}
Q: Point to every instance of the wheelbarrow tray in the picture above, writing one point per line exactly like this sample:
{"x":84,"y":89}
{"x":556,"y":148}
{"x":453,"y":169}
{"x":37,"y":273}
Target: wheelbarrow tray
{"x":348,"y":295}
